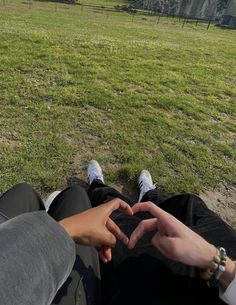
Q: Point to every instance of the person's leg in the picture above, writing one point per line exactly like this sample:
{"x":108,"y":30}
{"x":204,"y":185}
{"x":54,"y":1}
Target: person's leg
{"x":180,"y":206}
{"x":193,"y":212}
{"x":99,"y":193}
{"x":21,"y":198}
{"x":188,"y":208}
{"x":83,"y":285}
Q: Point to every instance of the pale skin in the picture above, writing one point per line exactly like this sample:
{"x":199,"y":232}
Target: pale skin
{"x":177,"y":242}
{"x":173,"y":239}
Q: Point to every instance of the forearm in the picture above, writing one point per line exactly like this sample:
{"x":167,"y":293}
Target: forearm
{"x":208,"y":260}
{"x":36,"y":257}
{"x":227,"y":289}
{"x":228,"y":276}
{"x":206,"y":263}
{"x":226,"y":281}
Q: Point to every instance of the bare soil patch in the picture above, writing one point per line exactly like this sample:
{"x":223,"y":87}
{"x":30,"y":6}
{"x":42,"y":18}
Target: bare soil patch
{"x":222,"y":200}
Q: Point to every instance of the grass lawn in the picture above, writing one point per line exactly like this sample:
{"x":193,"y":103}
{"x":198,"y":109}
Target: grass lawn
{"x":78,"y":83}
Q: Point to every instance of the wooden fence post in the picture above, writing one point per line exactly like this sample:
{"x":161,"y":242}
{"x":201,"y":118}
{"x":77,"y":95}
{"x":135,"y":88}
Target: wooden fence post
{"x":209,"y":23}
{"x":185,"y":20}
{"x":30,"y":4}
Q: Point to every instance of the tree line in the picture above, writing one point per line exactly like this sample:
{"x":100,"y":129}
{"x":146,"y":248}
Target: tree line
{"x":202,"y":9}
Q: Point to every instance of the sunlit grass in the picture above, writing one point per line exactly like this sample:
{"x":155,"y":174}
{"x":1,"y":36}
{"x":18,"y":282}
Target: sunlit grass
{"x":78,"y":82}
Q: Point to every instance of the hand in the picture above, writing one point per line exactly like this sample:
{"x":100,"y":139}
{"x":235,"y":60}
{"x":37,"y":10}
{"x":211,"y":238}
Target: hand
{"x":94,"y":227}
{"x":173,"y":239}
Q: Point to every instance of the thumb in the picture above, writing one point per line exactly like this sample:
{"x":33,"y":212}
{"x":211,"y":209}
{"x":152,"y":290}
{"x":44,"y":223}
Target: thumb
{"x":144,"y":226}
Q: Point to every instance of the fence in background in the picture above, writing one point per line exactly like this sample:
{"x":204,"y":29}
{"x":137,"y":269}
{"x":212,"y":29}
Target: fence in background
{"x":108,"y":11}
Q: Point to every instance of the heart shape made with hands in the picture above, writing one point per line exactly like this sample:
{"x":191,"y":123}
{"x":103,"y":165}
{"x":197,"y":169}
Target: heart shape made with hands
{"x":172,"y":239}
{"x":94,"y":227}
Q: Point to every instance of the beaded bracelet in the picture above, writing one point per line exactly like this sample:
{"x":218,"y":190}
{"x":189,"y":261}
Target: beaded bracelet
{"x":213,"y":274}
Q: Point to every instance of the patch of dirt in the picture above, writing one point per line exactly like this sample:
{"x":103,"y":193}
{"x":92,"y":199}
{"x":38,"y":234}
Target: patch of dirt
{"x":12,"y":140}
{"x":128,"y":189}
{"x":222,"y":200}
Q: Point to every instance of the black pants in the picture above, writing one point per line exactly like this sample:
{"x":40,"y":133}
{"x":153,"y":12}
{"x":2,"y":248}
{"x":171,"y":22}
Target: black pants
{"x":142,"y":276}
{"x":83,"y":284}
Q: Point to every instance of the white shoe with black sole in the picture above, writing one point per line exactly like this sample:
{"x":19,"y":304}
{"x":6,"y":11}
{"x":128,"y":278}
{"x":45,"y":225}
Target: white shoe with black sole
{"x":145,"y":183}
{"x":94,"y":172}
{"x":50,"y":199}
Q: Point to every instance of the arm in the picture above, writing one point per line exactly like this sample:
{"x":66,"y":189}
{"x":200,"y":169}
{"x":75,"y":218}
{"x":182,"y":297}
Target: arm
{"x":94,"y":227}
{"x":36,"y":257}
{"x":179,"y":243}
{"x":228,"y":276}
{"x":228,"y":283}
{"x":37,"y":254}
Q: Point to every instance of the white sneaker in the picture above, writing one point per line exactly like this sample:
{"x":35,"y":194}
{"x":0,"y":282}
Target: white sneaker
{"x":50,"y":199}
{"x":145,"y":183}
{"x":94,"y":171}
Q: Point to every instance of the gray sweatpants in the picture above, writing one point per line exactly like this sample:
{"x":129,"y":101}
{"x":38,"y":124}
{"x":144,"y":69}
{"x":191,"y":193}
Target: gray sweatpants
{"x":37,"y":257}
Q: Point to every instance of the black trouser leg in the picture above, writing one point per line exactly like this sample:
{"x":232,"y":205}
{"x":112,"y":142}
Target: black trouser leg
{"x":188,"y":208}
{"x":21,"y":198}
{"x":83,"y":285}
{"x":142,"y":274}
{"x":99,"y":193}
{"x":193,"y":212}
{"x":115,"y":283}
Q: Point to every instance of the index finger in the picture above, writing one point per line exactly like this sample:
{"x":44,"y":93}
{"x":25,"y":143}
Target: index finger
{"x":152,"y":209}
{"x":119,"y":204}
{"x":115,"y":230}
{"x":143,"y":227}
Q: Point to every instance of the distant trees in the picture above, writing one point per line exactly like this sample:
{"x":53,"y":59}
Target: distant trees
{"x":229,"y":18}
{"x":62,"y":1}
{"x":192,"y":8}
{"x":222,"y":4}
{"x":126,"y":8}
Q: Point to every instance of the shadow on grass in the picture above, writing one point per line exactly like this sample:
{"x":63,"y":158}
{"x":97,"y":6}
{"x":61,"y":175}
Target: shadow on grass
{"x":128,"y":188}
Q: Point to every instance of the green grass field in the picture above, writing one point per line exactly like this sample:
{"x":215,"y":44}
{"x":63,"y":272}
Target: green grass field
{"x":78,"y":83}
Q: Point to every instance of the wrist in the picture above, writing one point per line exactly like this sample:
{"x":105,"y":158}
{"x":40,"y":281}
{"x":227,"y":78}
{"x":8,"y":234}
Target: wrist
{"x":220,"y":271}
{"x":68,"y":227}
{"x":209,"y":254}
{"x":229,"y":274}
